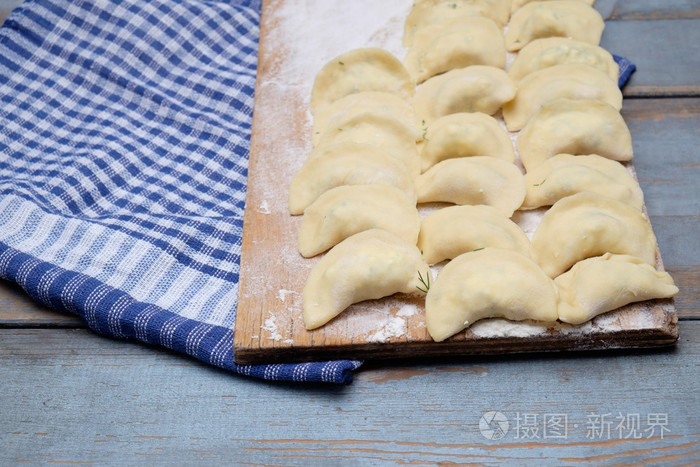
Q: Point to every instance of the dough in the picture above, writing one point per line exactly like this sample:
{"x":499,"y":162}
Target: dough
{"x":477,"y":88}
{"x":346,"y":210}
{"x":451,"y":231}
{"x":369,"y":265}
{"x":552,"y":51}
{"x":554,"y":18}
{"x":346,"y":163}
{"x":567,"y":126}
{"x":464,"y":135}
{"x":489,"y":283}
{"x":359,"y":70}
{"x":473,"y":180}
{"x":564,"y":175}
{"x":472,"y":40}
{"x":596,"y":285}
{"x":584,"y":225}
{"x":549,"y":84}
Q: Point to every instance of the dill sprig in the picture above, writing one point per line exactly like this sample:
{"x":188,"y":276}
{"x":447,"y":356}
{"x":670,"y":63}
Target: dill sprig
{"x":425,"y":281}
{"x":538,"y":184}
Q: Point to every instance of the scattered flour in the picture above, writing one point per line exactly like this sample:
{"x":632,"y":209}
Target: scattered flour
{"x":570,"y":329}
{"x":529,"y":220}
{"x":407,"y":310}
{"x":497,"y":327}
{"x":396,"y":327}
{"x":271,"y":327}
{"x":282,"y":294}
{"x":264,"y":208}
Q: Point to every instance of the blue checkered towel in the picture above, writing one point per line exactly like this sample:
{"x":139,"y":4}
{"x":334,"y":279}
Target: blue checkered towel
{"x":124,"y":136}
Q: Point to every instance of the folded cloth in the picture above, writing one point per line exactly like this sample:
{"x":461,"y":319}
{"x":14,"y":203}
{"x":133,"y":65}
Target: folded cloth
{"x":124,"y":138}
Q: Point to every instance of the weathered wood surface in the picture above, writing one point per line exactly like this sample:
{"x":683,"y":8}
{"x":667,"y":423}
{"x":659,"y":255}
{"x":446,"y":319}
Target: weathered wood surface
{"x":69,"y":396}
{"x":666,"y":52}
{"x":620,"y":10}
{"x":73,"y":397}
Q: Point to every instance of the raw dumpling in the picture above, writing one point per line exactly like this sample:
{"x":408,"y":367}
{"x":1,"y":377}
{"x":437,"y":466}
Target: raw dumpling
{"x":596,"y":285}
{"x":564,"y":175}
{"x":570,"y":81}
{"x":346,"y":210}
{"x":515,"y":4}
{"x":473,"y":180}
{"x":449,"y":232}
{"x":489,"y":283}
{"x":435,"y":12}
{"x":346,"y":164}
{"x":379,"y":131}
{"x":378,"y":103}
{"x":473,"y":40}
{"x":477,"y":88}
{"x":567,"y":126}
{"x":357,"y":71}
{"x":556,"y":18}
{"x":369,"y":265}
{"x":545,"y":53}
{"x":585,"y":225}
{"x":465,"y":135}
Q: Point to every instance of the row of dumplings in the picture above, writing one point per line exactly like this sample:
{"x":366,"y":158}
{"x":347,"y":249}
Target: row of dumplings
{"x":381,"y":146}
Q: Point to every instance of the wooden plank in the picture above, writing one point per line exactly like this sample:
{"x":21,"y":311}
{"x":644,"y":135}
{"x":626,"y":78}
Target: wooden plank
{"x":269,"y":323}
{"x":637,"y":10}
{"x":18,"y":310}
{"x":687,"y":278}
{"x":666,"y":52}
{"x":665,"y":136}
{"x":74,"y":397}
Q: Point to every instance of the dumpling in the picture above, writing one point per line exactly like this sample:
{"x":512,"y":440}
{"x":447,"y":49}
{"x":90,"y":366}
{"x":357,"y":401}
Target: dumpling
{"x":515,"y":4}
{"x":570,"y":81}
{"x":567,"y":126}
{"x":438,"y":12}
{"x":556,"y":18}
{"x":346,"y":210}
{"x":489,"y":283}
{"x":360,"y":70}
{"x":379,"y":103}
{"x":369,"y":265}
{"x":564,"y":175}
{"x":584,"y":225}
{"x":465,"y":135}
{"x":597,"y":285}
{"x":545,"y":53}
{"x":473,"y":40}
{"x":449,"y":232}
{"x":379,"y":131}
{"x":477,"y":88}
{"x":346,"y":164}
{"x":473,"y":180}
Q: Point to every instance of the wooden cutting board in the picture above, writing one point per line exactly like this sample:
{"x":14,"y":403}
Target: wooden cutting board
{"x":297,"y":39}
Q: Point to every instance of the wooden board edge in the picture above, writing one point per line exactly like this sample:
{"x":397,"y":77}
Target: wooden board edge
{"x":667,"y":334}
{"x":255,"y":147}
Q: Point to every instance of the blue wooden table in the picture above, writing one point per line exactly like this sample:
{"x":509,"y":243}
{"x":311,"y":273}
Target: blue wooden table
{"x":70,"y":396}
